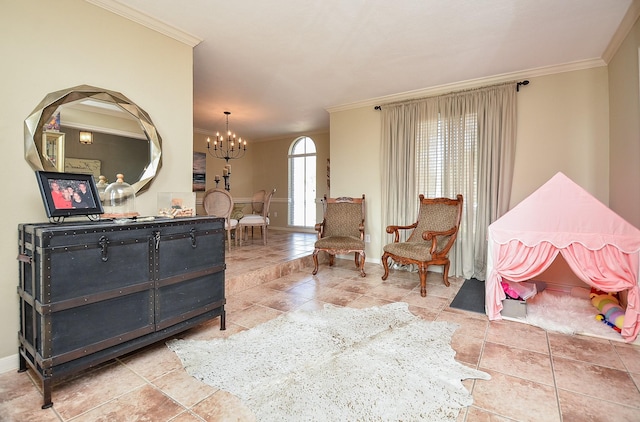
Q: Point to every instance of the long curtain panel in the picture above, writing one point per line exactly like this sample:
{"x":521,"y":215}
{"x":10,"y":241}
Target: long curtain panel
{"x":399,"y":183}
{"x":458,"y":143}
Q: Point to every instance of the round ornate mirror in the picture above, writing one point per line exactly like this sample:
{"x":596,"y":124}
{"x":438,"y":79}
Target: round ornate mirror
{"x":85,"y":129}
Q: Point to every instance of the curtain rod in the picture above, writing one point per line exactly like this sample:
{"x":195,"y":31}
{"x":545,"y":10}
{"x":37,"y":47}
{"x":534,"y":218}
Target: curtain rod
{"x":518,"y":84}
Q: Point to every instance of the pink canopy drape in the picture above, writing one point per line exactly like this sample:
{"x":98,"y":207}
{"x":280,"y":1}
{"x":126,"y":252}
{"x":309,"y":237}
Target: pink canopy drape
{"x":607,"y":269}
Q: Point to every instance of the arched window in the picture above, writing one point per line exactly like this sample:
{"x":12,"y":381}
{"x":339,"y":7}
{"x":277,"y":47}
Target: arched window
{"x":302,"y":183}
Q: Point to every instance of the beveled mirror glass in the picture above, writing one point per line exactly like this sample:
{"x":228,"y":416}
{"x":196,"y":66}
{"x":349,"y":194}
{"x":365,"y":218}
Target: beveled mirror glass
{"x":85,"y":129}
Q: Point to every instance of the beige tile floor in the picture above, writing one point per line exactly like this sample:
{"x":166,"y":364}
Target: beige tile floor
{"x":536,"y":375}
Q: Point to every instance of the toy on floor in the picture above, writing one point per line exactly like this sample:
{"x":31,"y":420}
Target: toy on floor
{"x":609,"y":306}
{"x":509,"y":291}
{"x":601,"y":317}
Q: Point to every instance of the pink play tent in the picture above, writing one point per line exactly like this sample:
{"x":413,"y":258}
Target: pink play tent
{"x":601,"y":248}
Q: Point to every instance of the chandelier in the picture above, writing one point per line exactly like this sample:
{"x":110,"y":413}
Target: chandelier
{"x":227,"y":149}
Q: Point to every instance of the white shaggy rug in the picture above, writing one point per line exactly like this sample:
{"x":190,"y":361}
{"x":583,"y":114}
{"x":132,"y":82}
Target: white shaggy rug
{"x":567,"y":314}
{"x":338,"y":364}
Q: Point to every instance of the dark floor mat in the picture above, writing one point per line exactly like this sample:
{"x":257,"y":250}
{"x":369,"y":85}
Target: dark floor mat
{"x":470,"y":297}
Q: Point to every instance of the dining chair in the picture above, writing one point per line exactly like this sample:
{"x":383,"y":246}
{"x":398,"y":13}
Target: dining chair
{"x":219,"y":203}
{"x":257,"y":203}
{"x":256,"y":220}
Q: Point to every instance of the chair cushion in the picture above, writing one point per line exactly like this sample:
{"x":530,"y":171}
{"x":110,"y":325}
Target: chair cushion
{"x":411,"y":250}
{"x":254,"y":220}
{"x":233,"y":222}
{"x":340,"y":243}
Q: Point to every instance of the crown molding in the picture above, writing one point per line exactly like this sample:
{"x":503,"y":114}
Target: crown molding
{"x":470,"y":84}
{"x":292,"y":135}
{"x":134,"y":15}
{"x":623,"y":30}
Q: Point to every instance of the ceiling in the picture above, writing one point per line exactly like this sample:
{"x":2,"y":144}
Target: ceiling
{"x":278,"y":65}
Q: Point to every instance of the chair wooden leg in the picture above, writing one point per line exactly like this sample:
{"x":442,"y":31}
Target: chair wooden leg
{"x":385,"y":264}
{"x":315,"y":262}
{"x":331,"y":258}
{"x":264,"y":235}
{"x":357,"y":259}
{"x":422,"y":271}
{"x":446,"y":274}
{"x":362,"y":259}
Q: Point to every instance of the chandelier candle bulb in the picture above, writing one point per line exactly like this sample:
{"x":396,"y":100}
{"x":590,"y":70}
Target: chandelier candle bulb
{"x":225,"y":172}
{"x":217,"y":178}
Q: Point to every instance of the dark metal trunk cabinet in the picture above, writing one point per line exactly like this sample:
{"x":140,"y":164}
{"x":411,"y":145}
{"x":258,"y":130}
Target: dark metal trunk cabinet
{"x":90,"y":292}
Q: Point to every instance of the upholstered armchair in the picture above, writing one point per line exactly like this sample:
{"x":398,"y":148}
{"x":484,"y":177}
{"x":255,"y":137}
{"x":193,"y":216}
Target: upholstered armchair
{"x":219,"y":203}
{"x":341,"y":230}
{"x":429,"y":243}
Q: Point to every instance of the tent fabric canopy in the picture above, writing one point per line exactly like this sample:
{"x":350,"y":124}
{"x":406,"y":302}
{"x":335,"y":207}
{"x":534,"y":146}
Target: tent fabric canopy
{"x":601,"y":248}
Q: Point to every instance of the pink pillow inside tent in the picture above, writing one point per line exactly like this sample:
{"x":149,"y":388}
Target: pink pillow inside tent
{"x":601,"y":248}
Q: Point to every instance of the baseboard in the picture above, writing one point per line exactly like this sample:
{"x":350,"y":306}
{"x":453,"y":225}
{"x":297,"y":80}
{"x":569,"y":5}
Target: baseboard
{"x":9,"y":363}
{"x":293,"y":229}
{"x":367,"y":260}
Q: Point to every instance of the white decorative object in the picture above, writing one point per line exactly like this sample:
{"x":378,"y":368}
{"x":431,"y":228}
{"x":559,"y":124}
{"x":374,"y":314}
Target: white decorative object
{"x":177,"y":204}
{"x":119,"y":199}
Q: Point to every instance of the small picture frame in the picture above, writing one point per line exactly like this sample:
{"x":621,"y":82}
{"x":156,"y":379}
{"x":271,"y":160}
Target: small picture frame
{"x":69,"y":194}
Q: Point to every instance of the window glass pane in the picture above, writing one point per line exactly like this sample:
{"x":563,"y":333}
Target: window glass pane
{"x":309,"y":146}
{"x":302,"y":183}
{"x":446,"y":158}
{"x":310,"y":192}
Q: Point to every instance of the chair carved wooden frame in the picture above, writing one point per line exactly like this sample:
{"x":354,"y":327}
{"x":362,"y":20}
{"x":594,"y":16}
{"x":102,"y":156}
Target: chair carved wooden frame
{"x":341,"y":230}
{"x":433,"y":235}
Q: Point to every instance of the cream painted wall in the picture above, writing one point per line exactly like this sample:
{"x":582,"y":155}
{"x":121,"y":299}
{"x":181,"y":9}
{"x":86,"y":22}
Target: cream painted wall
{"x":242,"y":170}
{"x":624,"y":102}
{"x":355,"y":168}
{"x":265,"y":166}
{"x":271,"y":170}
{"x":562,"y":126}
{"x":50,"y":46}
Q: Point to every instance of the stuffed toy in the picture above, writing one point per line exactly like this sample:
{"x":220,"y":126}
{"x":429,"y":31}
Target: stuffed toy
{"x":509,"y":291}
{"x":609,"y":306}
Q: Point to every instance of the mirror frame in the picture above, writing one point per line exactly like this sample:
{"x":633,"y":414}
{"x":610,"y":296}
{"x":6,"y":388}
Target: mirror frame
{"x":39,"y":117}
